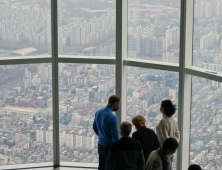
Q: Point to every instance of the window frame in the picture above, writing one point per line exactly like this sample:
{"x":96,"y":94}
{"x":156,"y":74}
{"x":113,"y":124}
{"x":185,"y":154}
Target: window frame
{"x":184,"y":68}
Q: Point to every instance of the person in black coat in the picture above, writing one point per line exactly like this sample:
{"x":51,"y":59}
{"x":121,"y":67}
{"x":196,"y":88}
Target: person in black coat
{"x":125,"y":153}
{"x":147,"y":137}
{"x":194,"y":167}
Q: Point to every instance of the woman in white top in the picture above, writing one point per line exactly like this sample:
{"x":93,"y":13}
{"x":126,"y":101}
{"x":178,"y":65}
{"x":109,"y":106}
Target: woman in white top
{"x":167,"y":127}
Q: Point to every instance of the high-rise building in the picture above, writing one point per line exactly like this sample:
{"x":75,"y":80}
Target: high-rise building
{"x":160,"y":46}
{"x":172,"y":36}
{"x":27,"y":80}
{"x":8,"y":4}
{"x":171,"y":80}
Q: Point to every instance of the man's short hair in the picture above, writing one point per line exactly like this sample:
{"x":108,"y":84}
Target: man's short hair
{"x":126,"y":128}
{"x":194,"y":167}
{"x":171,"y":144}
{"x":138,"y":120}
{"x":113,"y":99}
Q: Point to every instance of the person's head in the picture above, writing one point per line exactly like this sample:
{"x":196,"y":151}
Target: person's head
{"x":125,"y":128}
{"x":170,"y":146}
{"x":138,"y":121}
{"x":114,"y":102}
{"x":167,"y":108}
{"x":194,"y":167}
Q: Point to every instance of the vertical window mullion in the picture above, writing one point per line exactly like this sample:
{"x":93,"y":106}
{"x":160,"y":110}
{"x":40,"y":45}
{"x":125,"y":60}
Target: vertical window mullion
{"x":184,"y":152}
{"x":55,"y":83}
{"x":121,"y":54}
{"x":186,"y":46}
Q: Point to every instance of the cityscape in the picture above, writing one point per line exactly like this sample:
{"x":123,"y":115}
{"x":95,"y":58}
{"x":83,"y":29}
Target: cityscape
{"x":25,"y":114}
{"x":206,"y":135}
{"x":154,"y":30}
{"x":87,"y":28}
{"x":84,"y":89}
{"x":207,"y":44}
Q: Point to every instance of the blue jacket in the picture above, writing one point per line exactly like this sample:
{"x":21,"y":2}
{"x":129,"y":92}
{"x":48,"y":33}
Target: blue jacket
{"x":105,"y":125}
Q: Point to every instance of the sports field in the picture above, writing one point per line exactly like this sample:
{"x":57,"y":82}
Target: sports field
{"x":22,"y":109}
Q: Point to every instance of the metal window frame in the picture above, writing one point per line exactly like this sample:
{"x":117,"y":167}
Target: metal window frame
{"x":184,"y":100}
{"x":184,"y":68}
{"x":121,"y":54}
{"x":55,"y":82}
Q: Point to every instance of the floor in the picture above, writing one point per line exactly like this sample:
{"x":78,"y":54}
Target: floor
{"x":60,"y":168}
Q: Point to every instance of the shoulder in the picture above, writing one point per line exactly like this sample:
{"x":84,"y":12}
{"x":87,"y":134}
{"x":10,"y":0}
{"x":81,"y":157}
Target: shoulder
{"x":114,"y":145}
{"x":125,"y":145}
{"x":135,"y":133}
{"x":163,"y":121}
{"x":145,"y":131}
{"x":136,"y":144}
{"x":101,"y":110}
{"x":150,"y":131}
{"x":113,"y":118}
{"x":173,"y":118}
{"x":154,"y":155}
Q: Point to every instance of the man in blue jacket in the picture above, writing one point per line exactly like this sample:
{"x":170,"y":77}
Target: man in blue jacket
{"x":105,"y":125}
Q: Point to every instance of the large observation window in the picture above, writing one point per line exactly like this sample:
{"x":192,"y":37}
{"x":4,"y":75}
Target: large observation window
{"x":206,"y":129}
{"x":86,"y":28}
{"x":146,"y":88}
{"x":26,"y":129}
{"x":25,"y":28}
{"x":154,"y":30}
{"x":207,"y":43}
{"x":157,"y":41}
{"x":83,"y":89}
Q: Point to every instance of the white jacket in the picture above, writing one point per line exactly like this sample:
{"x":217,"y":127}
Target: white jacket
{"x":167,"y":128}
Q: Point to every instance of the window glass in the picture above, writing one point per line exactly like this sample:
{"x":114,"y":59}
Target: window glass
{"x":26,"y":128}
{"x":154,"y":30}
{"x":146,"y":88}
{"x":207,"y":43}
{"x":83,"y":89}
{"x":86,"y":28}
{"x":206,"y":128}
{"x":25,"y":28}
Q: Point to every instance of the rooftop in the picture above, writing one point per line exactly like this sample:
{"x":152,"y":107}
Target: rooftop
{"x":24,"y":51}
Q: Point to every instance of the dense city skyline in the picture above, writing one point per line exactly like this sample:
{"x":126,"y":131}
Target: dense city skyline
{"x":87,"y":28}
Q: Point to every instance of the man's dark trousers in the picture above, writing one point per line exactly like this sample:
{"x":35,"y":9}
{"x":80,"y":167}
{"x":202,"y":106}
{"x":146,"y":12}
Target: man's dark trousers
{"x":103,"y":154}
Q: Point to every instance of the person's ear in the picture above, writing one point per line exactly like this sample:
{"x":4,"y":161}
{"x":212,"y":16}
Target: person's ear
{"x":168,"y":151}
{"x":120,"y":132}
{"x":162,"y":109}
{"x":115,"y":104}
{"x":174,"y":151}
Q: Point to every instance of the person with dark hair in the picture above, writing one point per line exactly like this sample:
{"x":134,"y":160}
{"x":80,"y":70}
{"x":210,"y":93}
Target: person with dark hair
{"x":167,"y":127}
{"x":194,"y":167}
{"x":158,"y":159}
{"x":126,"y":153}
{"x":105,"y":125}
{"x":147,"y":137}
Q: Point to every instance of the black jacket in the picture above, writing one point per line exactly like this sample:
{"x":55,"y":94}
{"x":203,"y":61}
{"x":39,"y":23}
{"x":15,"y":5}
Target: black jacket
{"x":148,"y":140}
{"x":125,"y":154}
